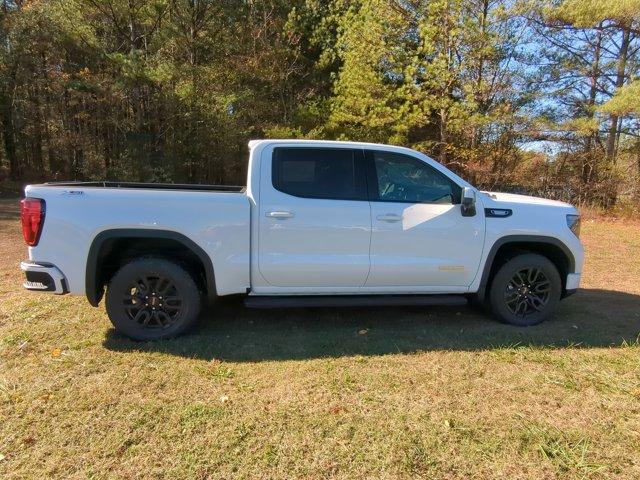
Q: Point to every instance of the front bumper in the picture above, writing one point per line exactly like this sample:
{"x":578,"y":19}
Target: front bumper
{"x":44,"y":277}
{"x":573,"y":281}
{"x":572,"y":284}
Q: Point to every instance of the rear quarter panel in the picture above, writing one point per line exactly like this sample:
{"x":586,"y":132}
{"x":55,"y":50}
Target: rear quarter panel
{"x":218,"y":222}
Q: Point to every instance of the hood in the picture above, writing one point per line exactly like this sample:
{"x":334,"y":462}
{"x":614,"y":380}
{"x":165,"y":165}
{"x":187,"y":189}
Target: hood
{"x":513,"y":199}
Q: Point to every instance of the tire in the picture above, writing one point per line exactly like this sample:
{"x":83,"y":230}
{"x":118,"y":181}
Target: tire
{"x":525,"y":290}
{"x":152,"y":299}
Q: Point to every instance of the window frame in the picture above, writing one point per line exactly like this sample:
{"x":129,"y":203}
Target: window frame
{"x":373,"y":186}
{"x":359,"y":172}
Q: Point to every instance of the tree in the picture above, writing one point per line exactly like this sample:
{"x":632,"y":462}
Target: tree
{"x":441,"y":76}
{"x":171,"y":90}
{"x":589,"y":49}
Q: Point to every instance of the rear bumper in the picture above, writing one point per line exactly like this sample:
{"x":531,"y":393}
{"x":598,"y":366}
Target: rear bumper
{"x":44,"y":277}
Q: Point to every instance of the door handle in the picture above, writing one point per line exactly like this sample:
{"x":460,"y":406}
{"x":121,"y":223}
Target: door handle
{"x":279,"y":214}
{"x":390,"y":217}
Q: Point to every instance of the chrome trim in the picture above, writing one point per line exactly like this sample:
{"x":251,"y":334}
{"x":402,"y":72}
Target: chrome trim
{"x":59,"y":280}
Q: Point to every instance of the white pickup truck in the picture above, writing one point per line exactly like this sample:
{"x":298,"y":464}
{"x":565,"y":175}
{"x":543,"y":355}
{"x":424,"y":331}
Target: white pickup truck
{"x":319,"y":224}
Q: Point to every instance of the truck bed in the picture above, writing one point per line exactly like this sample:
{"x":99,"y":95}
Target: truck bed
{"x":215,"y":218}
{"x":157,"y":186}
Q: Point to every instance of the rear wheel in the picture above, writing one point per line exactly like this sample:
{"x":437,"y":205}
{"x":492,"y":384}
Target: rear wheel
{"x":152,"y":299}
{"x":525,"y":290}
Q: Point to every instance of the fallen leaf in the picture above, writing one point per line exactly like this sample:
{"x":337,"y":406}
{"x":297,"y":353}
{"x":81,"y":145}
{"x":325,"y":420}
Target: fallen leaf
{"x":336,"y":410}
{"x":56,"y":352}
{"x":28,"y":441}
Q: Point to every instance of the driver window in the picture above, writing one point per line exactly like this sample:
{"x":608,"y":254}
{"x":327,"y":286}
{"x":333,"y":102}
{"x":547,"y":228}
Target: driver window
{"x":402,"y":178}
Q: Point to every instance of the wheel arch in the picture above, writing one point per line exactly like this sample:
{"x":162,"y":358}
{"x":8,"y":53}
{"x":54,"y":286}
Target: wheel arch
{"x":104,"y":246}
{"x":506,"y":247}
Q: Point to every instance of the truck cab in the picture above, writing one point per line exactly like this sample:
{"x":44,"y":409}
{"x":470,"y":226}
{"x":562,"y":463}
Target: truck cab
{"x":319,"y":223}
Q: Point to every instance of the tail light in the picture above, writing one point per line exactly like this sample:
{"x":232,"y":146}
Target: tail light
{"x":32,"y":215}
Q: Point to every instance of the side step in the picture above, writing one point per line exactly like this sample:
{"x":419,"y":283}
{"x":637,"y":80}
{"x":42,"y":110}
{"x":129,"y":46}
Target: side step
{"x":302,"y":301}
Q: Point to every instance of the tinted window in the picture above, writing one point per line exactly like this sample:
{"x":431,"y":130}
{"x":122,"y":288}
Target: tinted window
{"x":319,"y":173}
{"x":401,"y":178}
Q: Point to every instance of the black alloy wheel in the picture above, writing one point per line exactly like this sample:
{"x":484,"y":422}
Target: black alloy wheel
{"x":525,"y":290}
{"x":153,"y":302}
{"x":152,"y":298}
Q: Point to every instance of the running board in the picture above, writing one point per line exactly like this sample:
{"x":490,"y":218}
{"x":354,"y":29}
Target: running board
{"x":302,"y":301}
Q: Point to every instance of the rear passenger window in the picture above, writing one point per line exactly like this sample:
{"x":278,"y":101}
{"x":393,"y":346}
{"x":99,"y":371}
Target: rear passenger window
{"x":329,"y":173}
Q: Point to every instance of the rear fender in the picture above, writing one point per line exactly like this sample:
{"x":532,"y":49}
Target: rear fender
{"x":93,"y":279}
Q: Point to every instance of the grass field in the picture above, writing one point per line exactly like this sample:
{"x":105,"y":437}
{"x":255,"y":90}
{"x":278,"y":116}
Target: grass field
{"x":360,"y":393}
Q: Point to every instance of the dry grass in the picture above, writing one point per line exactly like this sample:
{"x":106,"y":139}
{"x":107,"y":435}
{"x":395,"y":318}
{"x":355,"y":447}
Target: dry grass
{"x":424,"y":393}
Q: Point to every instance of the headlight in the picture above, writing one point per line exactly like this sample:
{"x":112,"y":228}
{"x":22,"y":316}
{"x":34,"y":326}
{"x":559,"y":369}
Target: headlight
{"x":573,"y":222}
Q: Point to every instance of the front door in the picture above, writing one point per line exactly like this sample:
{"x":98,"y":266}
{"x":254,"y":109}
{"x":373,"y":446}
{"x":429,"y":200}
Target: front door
{"x":315,"y":219}
{"x":419,"y":237}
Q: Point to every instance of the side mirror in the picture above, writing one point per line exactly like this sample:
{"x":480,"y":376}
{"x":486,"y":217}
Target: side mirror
{"x":468,"y":207}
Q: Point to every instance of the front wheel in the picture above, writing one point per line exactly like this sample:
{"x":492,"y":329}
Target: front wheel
{"x":151,"y":299}
{"x":526,"y":290}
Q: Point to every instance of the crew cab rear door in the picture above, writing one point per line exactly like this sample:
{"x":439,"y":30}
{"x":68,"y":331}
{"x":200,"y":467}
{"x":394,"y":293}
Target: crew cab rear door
{"x":315,"y":219}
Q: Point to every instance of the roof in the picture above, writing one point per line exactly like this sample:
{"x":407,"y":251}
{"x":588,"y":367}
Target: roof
{"x":256,"y":142}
